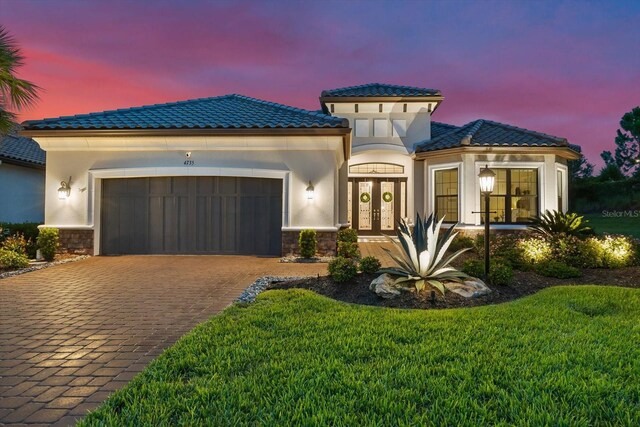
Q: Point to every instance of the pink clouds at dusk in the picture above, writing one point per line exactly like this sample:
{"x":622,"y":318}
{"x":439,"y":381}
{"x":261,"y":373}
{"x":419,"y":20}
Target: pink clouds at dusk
{"x":570,"y":69}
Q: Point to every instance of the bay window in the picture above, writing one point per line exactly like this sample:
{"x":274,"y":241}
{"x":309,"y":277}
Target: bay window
{"x":515,"y":196}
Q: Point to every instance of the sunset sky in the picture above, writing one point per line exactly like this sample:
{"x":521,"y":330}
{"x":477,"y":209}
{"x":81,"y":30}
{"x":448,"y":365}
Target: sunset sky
{"x":570,"y":69}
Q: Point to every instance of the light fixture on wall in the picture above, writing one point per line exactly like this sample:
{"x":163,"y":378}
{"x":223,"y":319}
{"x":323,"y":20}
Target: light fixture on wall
{"x":310,"y":191}
{"x":65,"y":189}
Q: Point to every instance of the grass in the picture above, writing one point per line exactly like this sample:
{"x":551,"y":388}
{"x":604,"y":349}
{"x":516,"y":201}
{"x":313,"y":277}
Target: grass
{"x":565,"y":356}
{"x":624,"y":225}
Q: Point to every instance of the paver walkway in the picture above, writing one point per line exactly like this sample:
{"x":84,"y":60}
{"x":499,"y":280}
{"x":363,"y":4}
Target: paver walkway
{"x":72,"y":334}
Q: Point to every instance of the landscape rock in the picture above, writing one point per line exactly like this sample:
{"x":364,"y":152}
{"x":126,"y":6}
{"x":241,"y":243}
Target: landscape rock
{"x":470,"y":288}
{"x":384,"y":286}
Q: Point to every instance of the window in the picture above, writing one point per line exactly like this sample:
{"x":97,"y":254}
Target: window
{"x":362,"y":127}
{"x":376,"y":168}
{"x":380,"y":127}
{"x":560,"y":191}
{"x":515,"y":196}
{"x":399,"y":128}
{"x":446,"y":183}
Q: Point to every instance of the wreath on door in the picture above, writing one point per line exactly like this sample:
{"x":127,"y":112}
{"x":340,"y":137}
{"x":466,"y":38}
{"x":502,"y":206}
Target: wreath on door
{"x":387,"y":196}
{"x":365,"y":197}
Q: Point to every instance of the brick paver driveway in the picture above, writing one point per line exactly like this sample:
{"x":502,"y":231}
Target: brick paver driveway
{"x":71,"y":334}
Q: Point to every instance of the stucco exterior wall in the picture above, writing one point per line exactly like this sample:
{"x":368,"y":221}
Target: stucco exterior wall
{"x":418,"y":120}
{"x":469,"y":165}
{"x":317,"y":162}
{"x":21,"y":193}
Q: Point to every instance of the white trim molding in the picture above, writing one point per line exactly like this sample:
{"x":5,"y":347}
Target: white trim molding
{"x":431,"y":185}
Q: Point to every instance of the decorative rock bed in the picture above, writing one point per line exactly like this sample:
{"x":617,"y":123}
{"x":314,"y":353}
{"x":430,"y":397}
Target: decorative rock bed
{"x":40,"y":265}
{"x":252,"y":291}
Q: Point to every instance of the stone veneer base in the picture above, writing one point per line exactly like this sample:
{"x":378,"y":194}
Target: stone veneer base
{"x":326,"y":243}
{"x":76,"y":241}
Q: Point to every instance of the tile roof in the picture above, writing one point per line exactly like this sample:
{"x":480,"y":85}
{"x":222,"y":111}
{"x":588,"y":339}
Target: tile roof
{"x":438,"y":128}
{"x":486,"y":133}
{"x":221,"y":112}
{"x":22,"y":149}
{"x":379,"y":90}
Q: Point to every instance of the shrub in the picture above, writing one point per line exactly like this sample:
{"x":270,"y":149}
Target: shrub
{"x":560,"y":270}
{"x":474,"y":268}
{"x":556,"y":222}
{"x":566,"y":249}
{"x":308,"y":243}
{"x":48,"y":239}
{"x":500,"y":272}
{"x":348,"y":235}
{"x":617,"y":251}
{"x":461,"y":242}
{"x":534,"y":250}
{"x":27,"y":229}
{"x":369,"y":265}
{"x":606,"y":252}
{"x":506,"y":247}
{"x":15,"y":243}
{"x":342,"y":269}
{"x":10,"y":259}
{"x":348,"y":250}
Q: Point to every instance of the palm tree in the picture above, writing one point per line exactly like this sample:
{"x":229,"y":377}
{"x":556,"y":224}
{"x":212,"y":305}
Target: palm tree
{"x":15,"y":93}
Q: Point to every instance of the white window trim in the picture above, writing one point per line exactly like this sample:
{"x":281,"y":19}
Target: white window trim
{"x":564,"y":170}
{"x":510,"y":165}
{"x":432,"y":185}
{"x":97,"y":175}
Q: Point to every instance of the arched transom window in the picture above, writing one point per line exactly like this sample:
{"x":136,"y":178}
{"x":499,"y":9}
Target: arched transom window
{"x":376,"y":168}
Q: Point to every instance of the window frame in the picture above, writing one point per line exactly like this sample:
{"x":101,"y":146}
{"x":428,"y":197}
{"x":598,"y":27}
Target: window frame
{"x":507,"y":197}
{"x":430,"y":177}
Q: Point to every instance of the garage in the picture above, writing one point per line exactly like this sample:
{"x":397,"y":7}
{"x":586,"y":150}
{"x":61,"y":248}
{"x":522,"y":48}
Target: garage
{"x":191,"y":215}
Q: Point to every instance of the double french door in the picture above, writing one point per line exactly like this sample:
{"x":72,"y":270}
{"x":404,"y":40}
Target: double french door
{"x":376,"y":204}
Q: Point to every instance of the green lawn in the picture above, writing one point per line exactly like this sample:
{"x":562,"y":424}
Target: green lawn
{"x":565,"y":356}
{"x":623,"y":225}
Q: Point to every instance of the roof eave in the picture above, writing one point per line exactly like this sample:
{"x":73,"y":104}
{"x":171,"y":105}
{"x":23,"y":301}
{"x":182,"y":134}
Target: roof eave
{"x":564,"y":152}
{"x":336,"y":99}
{"x":24,"y":163}
{"x":186,"y":132}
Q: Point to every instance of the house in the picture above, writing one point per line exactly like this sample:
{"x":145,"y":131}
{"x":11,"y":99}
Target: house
{"x":237,"y":175}
{"x":22,"y":178}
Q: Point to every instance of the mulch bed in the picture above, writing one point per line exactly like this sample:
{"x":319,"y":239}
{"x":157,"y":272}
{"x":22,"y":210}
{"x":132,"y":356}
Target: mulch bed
{"x":524,"y":283}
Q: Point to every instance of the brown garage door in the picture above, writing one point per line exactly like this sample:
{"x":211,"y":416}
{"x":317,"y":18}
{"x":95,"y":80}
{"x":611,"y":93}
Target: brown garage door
{"x":191,"y":215}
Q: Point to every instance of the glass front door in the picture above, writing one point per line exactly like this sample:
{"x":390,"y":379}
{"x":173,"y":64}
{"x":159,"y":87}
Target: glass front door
{"x":376,"y":204}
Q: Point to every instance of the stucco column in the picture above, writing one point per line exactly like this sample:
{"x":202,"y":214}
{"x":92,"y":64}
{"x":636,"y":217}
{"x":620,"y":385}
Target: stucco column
{"x":342,"y":196}
{"x":469,"y":193}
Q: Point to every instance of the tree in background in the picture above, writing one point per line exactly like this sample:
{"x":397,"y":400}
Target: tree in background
{"x":580,"y":169}
{"x":15,"y":93}
{"x":627,"y":154}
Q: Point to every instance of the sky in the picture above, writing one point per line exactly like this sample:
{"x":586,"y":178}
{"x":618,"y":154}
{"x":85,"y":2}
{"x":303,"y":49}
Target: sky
{"x":567,"y":68}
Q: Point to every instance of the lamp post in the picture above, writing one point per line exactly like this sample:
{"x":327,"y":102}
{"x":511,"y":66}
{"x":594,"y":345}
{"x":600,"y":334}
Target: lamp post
{"x":487,"y":178}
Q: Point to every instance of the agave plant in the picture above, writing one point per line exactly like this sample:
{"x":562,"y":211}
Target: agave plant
{"x":555,"y":222}
{"x":421,"y":257}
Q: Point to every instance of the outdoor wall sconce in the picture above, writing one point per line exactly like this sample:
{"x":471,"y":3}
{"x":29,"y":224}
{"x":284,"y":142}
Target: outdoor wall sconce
{"x":487,"y":179}
{"x":310,"y":191}
{"x":65,"y":189}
